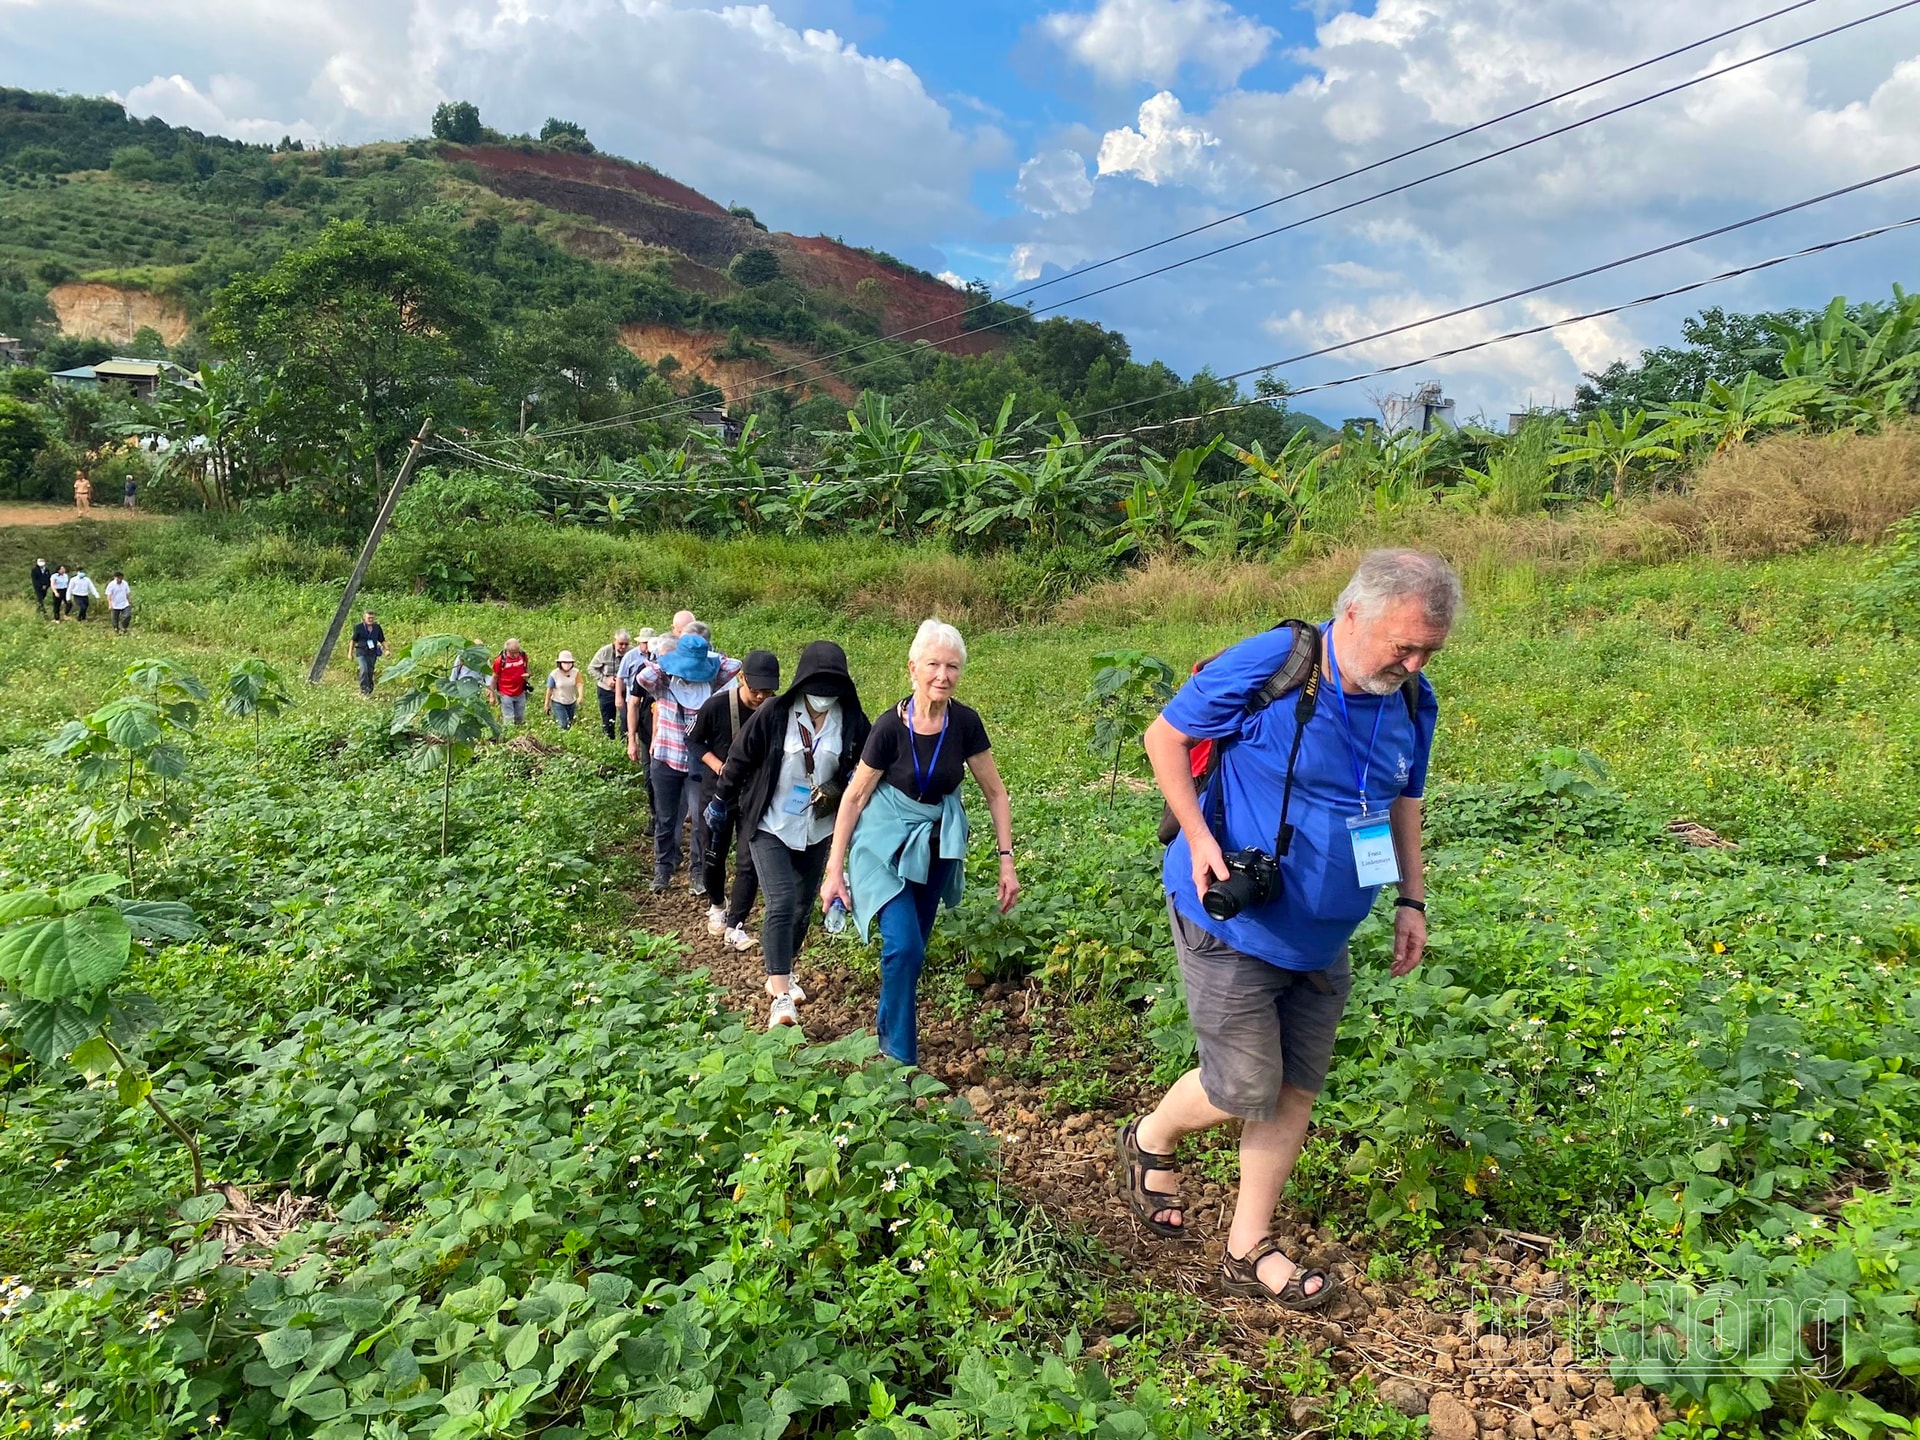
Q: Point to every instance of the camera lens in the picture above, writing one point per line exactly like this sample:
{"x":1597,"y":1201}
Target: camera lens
{"x":1227,"y":898}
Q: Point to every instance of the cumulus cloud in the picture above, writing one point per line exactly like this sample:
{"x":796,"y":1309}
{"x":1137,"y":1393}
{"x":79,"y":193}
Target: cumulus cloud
{"x":730,"y":98}
{"x":1055,"y":182}
{"x":1127,"y":41}
{"x":1162,"y":146}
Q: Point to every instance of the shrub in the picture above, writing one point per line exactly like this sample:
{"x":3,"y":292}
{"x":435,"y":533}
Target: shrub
{"x":757,"y":266}
{"x":458,"y":121}
{"x":438,"y":501}
{"x":23,"y":435}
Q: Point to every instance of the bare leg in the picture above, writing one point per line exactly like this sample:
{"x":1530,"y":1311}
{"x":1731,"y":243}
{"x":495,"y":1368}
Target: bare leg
{"x":1268,"y":1151}
{"x":1182,"y":1111}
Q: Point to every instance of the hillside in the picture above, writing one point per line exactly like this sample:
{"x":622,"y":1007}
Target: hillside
{"x":110,"y":224}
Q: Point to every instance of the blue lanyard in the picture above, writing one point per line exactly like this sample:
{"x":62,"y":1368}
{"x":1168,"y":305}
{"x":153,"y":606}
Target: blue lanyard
{"x":1353,"y":750}
{"x":920,"y":782}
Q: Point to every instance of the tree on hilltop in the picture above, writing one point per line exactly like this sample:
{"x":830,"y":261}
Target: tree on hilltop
{"x":458,"y":121}
{"x":566,"y":135}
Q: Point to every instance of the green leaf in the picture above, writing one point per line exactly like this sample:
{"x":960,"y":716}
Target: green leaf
{"x":133,"y":1085}
{"x":131,"y":724}
{"x":73,"y":955}
{"x":51,"y":1029}
{"x":158,"y":921}
{"x":24,"y":904}
{"x":93,"y":1058}
{"x":284,"y":1348}
{"x":479,"y":1303}
{"x":76,"y":895}
{"x":322,"y":1404}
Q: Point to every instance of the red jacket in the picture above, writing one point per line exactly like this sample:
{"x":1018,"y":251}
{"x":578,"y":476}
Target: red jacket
{"x":510,"y":673}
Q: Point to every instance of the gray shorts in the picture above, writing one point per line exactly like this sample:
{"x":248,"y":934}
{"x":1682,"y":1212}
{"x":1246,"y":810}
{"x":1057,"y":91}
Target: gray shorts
{"x":1259,"y":1026}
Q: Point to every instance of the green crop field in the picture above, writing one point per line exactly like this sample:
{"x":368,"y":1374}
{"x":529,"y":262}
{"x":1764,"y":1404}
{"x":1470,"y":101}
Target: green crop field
{"x":536,"y":1179}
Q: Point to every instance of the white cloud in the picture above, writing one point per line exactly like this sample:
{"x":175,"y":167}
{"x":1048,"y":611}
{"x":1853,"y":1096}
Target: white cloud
{"x":947,"y":277}
{"x":1164,"y":149}
{"x":800,"y":123}
{"x":1363,"y":276}
{"x":1055,"y":182}
{"x":1125,"y":41}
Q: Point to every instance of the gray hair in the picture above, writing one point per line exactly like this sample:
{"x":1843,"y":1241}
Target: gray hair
{"x":1388,"y":575}
{"x":623,"y":635}
{"x":700,"y":628}
{"x":935,"y":635}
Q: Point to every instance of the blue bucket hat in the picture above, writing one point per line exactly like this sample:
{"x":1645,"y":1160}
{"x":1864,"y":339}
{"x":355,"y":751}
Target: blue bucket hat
{"x":692,"y":660}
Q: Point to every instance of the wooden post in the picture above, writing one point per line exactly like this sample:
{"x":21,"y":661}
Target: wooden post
{"x":366,"y":552}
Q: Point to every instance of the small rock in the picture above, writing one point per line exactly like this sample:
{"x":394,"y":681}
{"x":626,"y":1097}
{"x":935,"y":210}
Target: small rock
{"x":1579,"y":1384}
{"x":1443,"y":1362}
{"x":1641,"y":1419}
{"x":1559,"y":1396}
{"x":1403,"y":1395}
{"x":1520,"y":1427}
{"x":1492,"y":1346}
{"x":1545,"y":1416}
{"x":1025,"y":1117}
{"x":1074,"y":1124}
{"x":980,"y":1098}
{"x":1604,"y":1388}
{"x":1582,"y":1429}
{"x":1448,"y":1418}
{"x":996,"y":991}
{"x":975,"y":980}
{"x":1302,"y":1410}
{"x":1121,"y":1315}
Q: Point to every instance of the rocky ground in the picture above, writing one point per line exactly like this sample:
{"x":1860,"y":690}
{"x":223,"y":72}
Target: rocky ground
{"x":1424,"y":1356}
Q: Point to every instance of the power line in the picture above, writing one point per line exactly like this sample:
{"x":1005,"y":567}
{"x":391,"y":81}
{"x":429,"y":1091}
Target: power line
{"x":820,"y":485}
{"x":668,"y":409}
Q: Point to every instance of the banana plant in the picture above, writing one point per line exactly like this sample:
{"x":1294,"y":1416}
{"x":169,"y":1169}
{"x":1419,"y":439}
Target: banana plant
{"x":1166,"y":511}
{"x":1065,"y":482}
{"x":63,"y":953}
{"x":1729,"y":415}
{"x":1616,"y":450}
{"x":879,"y":452}
{"x":1281,"y":489}
{"x":1866,"y":373}
{"x":442,"y":707}
{"x":125,"y":754}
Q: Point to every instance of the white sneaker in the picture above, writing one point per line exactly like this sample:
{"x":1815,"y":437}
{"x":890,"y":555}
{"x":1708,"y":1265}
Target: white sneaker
{"x":739,"y":939}
{"x":793,"y":988}
{"x":781,"y":1012}
{"x":716,"y":920}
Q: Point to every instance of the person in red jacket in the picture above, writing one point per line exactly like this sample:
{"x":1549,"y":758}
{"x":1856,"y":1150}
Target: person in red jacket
{"x":508,"y":687}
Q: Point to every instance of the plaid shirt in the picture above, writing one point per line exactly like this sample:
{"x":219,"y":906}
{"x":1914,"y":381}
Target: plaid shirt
{"x":671,"y":719}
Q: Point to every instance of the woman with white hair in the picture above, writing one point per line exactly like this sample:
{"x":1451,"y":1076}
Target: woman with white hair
{"x":900,"y":842}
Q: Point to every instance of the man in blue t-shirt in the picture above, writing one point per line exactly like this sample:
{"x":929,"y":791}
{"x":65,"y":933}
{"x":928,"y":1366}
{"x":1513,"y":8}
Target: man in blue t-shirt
{"x":1266,"y":986}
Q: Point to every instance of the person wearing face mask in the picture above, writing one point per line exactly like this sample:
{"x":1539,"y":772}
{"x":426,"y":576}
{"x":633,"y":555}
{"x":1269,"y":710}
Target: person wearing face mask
{"x":708,"y":743}
{"x":900,"y":845}
{"x":42,"y":581}
{"x":563,"y":690}
{"x":680,"y":682}
{"x":783,"y":780}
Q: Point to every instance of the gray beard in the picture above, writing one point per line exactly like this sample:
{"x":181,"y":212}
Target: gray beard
{"x":1384,"y":682}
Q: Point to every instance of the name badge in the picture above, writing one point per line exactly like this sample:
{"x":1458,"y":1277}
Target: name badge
{"x":1373,"y":858}
{"x":799,"y":800}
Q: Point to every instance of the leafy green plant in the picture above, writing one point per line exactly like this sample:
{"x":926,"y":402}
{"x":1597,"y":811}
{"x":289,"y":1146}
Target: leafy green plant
{"x":1616,"y":451}
{"x":1129,"y":688}
{"x":142,"y":732}
{"x":62,"y":954}
{"x":442,"y":707}
{"x":255,"y":691}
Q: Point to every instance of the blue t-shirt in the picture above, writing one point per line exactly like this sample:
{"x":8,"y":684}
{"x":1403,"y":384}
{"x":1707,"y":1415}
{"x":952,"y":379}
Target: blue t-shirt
{"x":1321,"y":902}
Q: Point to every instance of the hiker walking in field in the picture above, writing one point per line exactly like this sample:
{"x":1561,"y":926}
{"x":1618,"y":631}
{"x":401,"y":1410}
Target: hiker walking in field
{"x":508,"y":687}
{"x":82,"y":495}
{"x":80,"y":593}
{"x":369,"y":643}
{"x":42,"y":579}
{"x":563,"y":690}
{"x":61,"y":583}
{"x":605,"y":669}
{"x":900,"y":843}
{"x":680,"y":682}
{"x":708,"y":743}
{"x":783,"y":782}
{"x":1320,"y":736}
{"x":130,"y":495}
{"x":120,"y":603}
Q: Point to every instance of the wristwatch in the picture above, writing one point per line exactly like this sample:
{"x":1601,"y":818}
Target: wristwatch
{"x":1411,"y":903}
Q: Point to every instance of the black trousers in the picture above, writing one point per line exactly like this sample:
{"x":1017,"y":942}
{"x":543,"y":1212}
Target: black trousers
{"x":746,"y":884}
{"x":791,"y":880}
{"x":611,"y":720}
{"x":123,"y":618}
{"x":80,"y":606}
{"x":40,"y":598}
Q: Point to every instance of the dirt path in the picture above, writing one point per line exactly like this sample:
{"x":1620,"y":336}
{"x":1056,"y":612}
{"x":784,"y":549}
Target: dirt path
{"x":1525,"y":1384}
{"x":22,"y":512}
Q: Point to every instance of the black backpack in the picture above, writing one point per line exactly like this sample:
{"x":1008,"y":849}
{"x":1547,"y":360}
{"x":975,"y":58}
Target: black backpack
{"x":1299,"y":674}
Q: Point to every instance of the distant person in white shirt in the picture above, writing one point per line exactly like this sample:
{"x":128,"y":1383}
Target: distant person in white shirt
{"x":62,"y":582}
{"x":120,"y":603}
{"x":80,"y":592}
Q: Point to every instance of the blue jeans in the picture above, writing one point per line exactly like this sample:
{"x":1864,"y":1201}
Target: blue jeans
{"x":906,"y":922}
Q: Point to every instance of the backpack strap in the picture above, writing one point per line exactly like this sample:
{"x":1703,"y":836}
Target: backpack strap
{"x":733,"y":708}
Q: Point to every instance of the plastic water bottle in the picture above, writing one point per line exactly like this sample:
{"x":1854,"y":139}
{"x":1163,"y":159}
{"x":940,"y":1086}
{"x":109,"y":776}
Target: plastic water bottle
{"x":836,"y":915}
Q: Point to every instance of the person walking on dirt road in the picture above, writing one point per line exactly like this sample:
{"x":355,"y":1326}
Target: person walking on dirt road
{"x":369,"y":644}
{"x":680,"y":682}
{"x":783,"y":781}
{"x":82,"y":492}
{"x":509,"y":682}
{"x":708,"y":743}
{"x":1313,"y":806}
{"x":605,"y":669}
{"x":900,"y":843}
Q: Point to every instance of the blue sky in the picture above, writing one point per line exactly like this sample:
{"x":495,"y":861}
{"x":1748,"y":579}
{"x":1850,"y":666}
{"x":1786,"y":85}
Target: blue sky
{"x":1008,"y":141}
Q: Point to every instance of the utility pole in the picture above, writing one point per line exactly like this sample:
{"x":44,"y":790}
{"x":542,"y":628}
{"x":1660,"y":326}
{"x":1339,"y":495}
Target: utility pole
{"x":366,"y":552}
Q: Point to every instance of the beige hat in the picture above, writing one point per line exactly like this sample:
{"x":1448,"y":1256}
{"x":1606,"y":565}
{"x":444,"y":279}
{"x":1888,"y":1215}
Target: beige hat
{"x":646,"y":632}
{"x":566,"y":655}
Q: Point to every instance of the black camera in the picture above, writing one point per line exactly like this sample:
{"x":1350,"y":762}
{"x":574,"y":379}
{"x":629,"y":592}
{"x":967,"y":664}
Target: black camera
{"x":1253,"y":878}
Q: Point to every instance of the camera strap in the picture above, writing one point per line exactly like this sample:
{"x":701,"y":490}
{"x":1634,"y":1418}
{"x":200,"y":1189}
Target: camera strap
{"x":1303,"y":707}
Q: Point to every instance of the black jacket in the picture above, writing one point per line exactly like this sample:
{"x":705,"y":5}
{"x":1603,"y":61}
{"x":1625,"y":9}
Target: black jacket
{"x":42,"y":578}
{"x":712,"y":733}
{"x":753,"y":764}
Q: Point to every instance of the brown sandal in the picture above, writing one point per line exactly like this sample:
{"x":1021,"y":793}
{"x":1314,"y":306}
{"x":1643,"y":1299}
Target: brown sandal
{"x":1134,"y":1163}
{"x":1241,"y":1277}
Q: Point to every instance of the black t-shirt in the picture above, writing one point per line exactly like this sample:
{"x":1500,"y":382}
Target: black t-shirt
{"x":367,"y":638}
{"x":712,"y":733}
{"x":891,"y":750}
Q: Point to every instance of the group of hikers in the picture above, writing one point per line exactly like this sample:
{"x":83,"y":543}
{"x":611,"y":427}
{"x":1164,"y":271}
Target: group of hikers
{"x":1292,"y":766}
{"x":73,"y":593}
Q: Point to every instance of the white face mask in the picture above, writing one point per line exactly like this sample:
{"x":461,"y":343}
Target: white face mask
{"x":818,"y":701}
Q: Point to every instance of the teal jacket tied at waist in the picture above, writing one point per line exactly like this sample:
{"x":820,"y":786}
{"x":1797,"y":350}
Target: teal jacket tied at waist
{"x":893,"y":843}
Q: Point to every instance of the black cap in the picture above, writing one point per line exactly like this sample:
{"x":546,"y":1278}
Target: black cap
{"x":761,"y":669}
